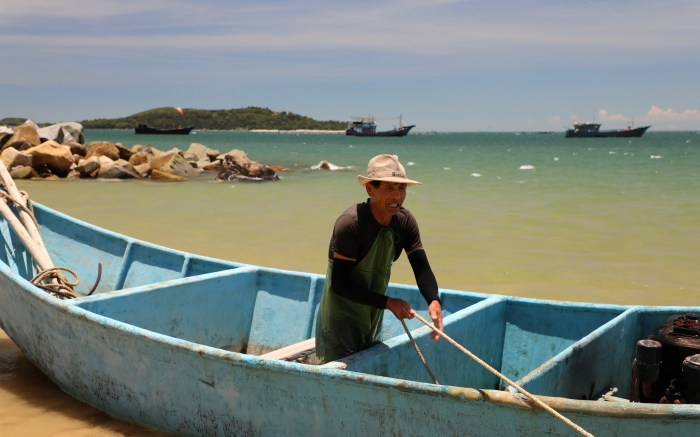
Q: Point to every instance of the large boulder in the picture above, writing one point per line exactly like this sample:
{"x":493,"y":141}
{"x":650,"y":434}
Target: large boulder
{"x":124,"y":153}
{"x":173,"y":163}
{"x":76,"y":148}
{"x":205,"y":163}
{"x":23,"y":137}
{"x":234,"y":153}
{"x":237,"y":167}
{"x":53,"y":155}
{"x":4,"y":136}
{"x":118,"y":170}
{"x":63,"y":133}
{"x":73,"y":132}
{"x":51,"y":133}
{"x":163,"y":176}
{"x":139,"y":158}
{"x":212,"y":166}
{"x":23,"y":173}
{"x":143,"y":169}
{"x":189,"y":156}
{"x":202,"y":152}
{"x":12,"y":158}
{"x":153,"y":151}
{"x":102,"y":148}
{"x":88,"y":166}
{"x":74,"y":175}
{"x":31,"y":123}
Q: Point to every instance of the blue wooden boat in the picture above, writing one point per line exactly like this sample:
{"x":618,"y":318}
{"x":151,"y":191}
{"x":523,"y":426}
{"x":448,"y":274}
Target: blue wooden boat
{"x":176,"y":341}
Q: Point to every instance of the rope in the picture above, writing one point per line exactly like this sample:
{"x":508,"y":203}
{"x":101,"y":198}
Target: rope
{"x":420,"y":355}
{"x":59,"y":286}
{"x":538,"y":402}
{"x":49,"y":277}
{"x":28,"y":209}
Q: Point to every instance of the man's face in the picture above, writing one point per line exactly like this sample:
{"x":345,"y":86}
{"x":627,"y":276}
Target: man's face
{"x":386,"y":200}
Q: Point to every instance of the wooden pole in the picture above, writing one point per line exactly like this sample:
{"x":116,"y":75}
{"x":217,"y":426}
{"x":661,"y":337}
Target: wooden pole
{"x":538,"y":402}
{"x":27,"y":219}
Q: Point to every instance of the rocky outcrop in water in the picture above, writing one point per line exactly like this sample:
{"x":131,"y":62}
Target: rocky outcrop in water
{"x":325,"y":165}
{"x":59,"y":152}
{"x":236,"y":166}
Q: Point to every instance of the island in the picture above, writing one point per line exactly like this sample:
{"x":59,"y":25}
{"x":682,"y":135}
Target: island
{"x":250,"y":118}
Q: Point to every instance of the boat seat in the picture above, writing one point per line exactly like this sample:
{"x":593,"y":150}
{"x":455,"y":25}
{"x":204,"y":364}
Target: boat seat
{"x":294,"y":351}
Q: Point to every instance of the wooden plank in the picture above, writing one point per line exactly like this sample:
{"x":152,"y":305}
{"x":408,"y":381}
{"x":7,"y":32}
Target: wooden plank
{"x":289,"y":351}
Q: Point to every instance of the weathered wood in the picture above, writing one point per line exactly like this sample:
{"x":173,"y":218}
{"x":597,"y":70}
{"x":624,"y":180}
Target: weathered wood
{"x":36,"y":246}
{"x":292,"y":350}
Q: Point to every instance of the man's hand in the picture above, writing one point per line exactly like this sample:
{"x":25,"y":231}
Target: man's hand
{"x":401,"y":308}
{"x":435,"y":311}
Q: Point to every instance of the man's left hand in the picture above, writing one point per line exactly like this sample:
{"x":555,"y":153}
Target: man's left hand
{"x":435,"y":311}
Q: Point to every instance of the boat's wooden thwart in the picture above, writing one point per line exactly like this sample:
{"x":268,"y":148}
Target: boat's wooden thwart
{"x":287,"y":353}
{"x":177,"y":341}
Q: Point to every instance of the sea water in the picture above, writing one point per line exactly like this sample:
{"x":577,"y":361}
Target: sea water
{"x":609,"y":220}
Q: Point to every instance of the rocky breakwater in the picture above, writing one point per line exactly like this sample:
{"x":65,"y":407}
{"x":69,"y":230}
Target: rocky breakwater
{"x":31,"y":153}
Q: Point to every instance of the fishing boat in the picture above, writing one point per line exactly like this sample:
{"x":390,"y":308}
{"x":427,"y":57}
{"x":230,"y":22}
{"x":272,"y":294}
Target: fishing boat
{"x":367,"y":127}
{"x":592,"y":130}
{"x":143,"y":129}
{"x":205,"y":347}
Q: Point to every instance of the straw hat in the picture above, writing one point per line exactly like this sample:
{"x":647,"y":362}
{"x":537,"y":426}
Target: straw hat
{"x":386,"y":168}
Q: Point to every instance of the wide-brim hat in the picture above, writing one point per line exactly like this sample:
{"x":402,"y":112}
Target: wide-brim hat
{"x":386,"y":168}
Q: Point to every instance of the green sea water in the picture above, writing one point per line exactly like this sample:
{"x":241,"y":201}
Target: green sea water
{"x":599,"y":220}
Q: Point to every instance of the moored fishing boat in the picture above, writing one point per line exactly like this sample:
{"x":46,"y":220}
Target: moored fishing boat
{"x":146,"y":130}
{"x":367,"y":127}
{"x":177,"y":342}
{"x":592,"y":130}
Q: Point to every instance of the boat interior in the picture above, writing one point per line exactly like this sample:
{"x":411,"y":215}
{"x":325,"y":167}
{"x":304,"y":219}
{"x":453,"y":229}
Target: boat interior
{"x":572,"y":350}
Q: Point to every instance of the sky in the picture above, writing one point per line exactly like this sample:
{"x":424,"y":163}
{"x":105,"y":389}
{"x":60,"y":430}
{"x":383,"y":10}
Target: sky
{"x":445,"y":65}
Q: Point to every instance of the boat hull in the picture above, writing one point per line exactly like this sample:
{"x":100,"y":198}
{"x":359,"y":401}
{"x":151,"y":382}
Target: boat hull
{"x":400,"y":132}
{"x":145,"y":130}
{"x":136,"y":353}
{"x":622,"y":133}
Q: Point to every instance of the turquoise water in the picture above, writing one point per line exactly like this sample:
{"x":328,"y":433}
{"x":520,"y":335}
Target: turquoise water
{"x":599,"y":220}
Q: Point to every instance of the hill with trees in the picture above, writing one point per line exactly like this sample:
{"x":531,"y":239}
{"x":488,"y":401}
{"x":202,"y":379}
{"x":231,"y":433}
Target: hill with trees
{"x":17,"y":121}
{"x":218,"y":119}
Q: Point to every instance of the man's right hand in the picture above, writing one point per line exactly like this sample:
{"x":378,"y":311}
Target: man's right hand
{"x":400,"y":308}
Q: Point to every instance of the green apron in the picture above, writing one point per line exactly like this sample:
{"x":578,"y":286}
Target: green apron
{"x":344,"y":327}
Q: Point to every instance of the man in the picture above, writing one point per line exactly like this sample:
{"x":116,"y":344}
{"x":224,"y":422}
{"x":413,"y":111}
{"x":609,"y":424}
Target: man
{"x":367,"y":239}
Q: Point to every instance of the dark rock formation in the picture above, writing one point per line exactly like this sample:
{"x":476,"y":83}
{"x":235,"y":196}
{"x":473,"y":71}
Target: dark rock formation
{"x":237,"y":167}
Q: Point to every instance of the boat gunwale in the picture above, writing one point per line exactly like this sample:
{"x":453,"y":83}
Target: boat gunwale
{"x":131,"y":240}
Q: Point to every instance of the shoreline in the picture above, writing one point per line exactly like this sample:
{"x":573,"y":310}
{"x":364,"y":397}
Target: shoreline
{"x":297,"y":131}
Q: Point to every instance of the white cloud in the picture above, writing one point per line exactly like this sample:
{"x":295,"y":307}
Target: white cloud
{"x":655,"y":115}
{"x":658,"y":114}
{"x":604,"y":116}
{"x":555,"y":119}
